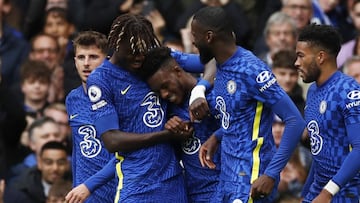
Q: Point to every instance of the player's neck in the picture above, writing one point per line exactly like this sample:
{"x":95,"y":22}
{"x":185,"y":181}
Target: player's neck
{"x":326,"y":74}
{"x":84,"y":87}
{"x":224,"y":51}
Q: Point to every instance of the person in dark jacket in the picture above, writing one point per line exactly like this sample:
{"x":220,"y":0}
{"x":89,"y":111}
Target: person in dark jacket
{"x":12,"y":123}
{"x":14,"y":49}
{"x":33,"y":185}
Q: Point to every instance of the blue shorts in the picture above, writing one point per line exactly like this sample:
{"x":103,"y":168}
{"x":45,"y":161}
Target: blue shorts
{"x":170,"y":190}
{"x":230,"y":192}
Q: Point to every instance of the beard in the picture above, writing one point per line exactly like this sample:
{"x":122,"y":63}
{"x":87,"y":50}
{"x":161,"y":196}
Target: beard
{"x":205,"y":55}
{"x":313,"y":73}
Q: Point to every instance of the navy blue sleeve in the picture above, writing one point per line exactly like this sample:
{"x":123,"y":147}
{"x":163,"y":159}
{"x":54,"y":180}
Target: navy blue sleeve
{"x":189,"y":62}
{"x":294,"y":127}
{"x":351,"y":165}
{"x":101,"y":177}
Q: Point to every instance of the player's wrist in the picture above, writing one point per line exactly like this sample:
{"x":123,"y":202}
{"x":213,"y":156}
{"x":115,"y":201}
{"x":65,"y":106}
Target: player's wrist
{"x":197,"y":92}
{"x":204,"y":83}
{"x":332,"y":187}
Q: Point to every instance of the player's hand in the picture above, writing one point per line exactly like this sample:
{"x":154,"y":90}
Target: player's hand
{"x":175,"y":124}
{"x":323,"y":197}
{"x":182,"y":130}
{"x":198,"y":109}
{"x":207,"y":151}
{"x":78,"y":194}
{"x":262,"y":187}
{"x":157,"y":20}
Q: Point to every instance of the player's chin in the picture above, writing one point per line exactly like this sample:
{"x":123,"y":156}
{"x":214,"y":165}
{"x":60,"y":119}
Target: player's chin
{"x":85,"y":75}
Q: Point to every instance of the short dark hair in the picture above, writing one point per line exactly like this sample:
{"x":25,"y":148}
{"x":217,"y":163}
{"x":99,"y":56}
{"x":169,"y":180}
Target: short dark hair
{"x":58,"y":12}
{"x":216,"y":19}
{"x":38,"y":123}
{"x":42,"y":34}
{"x":91,"y":38}
{"x":322,"y":36}
{"x":284,"y":59}
{"x":53,"y":145}
{"x":154,"y":60}
{"x":35,"y":70}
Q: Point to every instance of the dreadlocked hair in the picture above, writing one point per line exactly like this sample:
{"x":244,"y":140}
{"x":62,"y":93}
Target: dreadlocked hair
{"x":137,"y":30}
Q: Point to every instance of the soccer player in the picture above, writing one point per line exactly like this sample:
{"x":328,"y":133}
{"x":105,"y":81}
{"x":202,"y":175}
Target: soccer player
{"x":165,"y":76}
{"x":89,"y":153}
{"x":129,"y":117}
{"x":247,"y":95}
{"x":332,"y":114}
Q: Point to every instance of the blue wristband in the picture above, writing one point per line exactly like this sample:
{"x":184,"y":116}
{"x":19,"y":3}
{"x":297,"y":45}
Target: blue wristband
{"x":204,"y":83}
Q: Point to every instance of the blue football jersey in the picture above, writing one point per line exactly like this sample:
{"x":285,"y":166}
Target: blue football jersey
{"x":329,"y":108}
{"x":201,"y":182}
{"x":89,"y":154}
{"x":245,"y":89}
{"x":122,"y":101}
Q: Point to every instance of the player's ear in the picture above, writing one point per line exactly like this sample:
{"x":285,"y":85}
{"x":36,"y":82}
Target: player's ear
{"x":178,"y":70}
{"x":209,"y":35}
{"x":321,"y":57}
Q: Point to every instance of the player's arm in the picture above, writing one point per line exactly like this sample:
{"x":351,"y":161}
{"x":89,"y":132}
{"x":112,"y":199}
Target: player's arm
{"x":198,"y":106}
{"x":81,"y":192}
{"x":294,"y":127}
{"x":209,"y":148}
{"x":349,"y":168}
{"x":116,"y":140}
{"x":189,"y":62}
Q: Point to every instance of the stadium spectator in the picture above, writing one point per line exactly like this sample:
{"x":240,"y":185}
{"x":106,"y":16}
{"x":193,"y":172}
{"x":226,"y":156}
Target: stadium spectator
{"x":41,"y":131}
{"x":45,"y":48}
{"x":280,"y":33}
{"x":58,"y":191}
{"x":33,"y":185}
{"x":352,"y":67}
{"x":14,"y":49}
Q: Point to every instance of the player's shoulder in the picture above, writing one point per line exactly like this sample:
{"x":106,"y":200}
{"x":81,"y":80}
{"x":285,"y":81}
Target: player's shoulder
{"x":346,"y":91}
{"x":345,"y":84}
{"x":101,"y":75}
{"x":74,"y":94}
{"x":105,"y":67}
{"x":245,"y":62}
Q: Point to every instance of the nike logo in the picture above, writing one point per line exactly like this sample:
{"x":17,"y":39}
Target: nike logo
{"x":123,"y":92}
{"x":73,"y":116}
